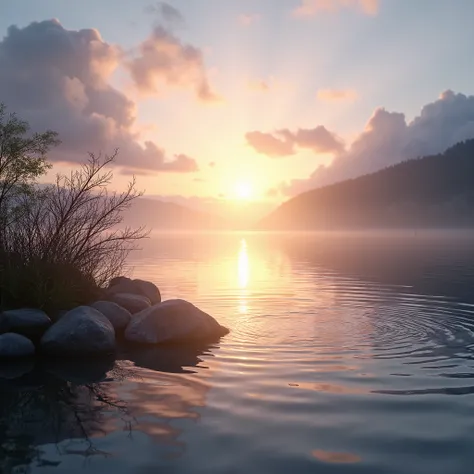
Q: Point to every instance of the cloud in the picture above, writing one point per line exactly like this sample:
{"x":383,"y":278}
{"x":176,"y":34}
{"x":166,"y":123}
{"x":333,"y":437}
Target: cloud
{"x":283,"y":142}
{"x":59,"y":79}
{"x":166,"y":11}
{"x":274,"y":145}
{"x":388,"y":139}
{"x":313,"y":7}
{"x":335,"y":95}
{"x":164,"y":60}
{"x":247,"y":19}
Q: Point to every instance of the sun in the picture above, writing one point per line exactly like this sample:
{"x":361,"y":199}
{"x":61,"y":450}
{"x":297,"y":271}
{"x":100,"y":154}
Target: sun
{"x":243,"y":190}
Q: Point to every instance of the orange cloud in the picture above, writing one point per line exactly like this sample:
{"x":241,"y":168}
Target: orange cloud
{"x":332,"y":95}
{"x":313,"y":7}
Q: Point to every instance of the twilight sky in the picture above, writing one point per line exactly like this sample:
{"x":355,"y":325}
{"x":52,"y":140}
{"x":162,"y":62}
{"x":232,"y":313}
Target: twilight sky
{"x":210,"y":101}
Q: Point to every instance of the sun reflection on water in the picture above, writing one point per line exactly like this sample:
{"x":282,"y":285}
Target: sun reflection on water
{"x":243,"y":274}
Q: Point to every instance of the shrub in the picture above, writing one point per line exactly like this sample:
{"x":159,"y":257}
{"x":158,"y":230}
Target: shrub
{"x":61,"y":243}
{"x":66,"y":243}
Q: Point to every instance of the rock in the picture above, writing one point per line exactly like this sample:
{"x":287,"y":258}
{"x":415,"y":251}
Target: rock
{"x":117,"y":315}
{"x":118,"y":280}
{"x":31,"y":323}
{"x":15,"y":345}
{"x":135,"y":287}
{"x":173,"y":321}
{"x":131,"y":302}
{"x":81,"y":331}
{"x":149,"y":289}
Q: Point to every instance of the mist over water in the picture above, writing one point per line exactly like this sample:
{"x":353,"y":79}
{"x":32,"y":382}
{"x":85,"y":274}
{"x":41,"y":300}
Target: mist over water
{"x":348,"y":353}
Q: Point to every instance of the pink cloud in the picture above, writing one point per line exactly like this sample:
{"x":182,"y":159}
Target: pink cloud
{"x":163,"y":60}
{"x":284,"y":142}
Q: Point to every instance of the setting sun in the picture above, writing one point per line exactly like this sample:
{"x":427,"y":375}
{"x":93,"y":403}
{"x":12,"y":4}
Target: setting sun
{"x":243,"y":190}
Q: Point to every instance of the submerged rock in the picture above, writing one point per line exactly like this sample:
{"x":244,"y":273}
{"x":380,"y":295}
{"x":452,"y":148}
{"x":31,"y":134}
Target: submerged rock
{"x":116,"y":314}
{"x":15,"y":345}
{"x":173,"y":321}
{"x":81,"y":331}
{"x":135,"y":287}
{"x":131,"y":302}
{"x":31,"y":323}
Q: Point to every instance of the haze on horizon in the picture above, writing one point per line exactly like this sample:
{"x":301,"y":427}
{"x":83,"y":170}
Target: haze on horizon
{"x":233,"y":107}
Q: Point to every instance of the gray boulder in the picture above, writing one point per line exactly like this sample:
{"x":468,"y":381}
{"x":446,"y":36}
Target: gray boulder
{"x":148,"y":289}
{"x":15,"y":345}
{"x":118,"y":316}
{"x":173,"y":321}
{"x":31,"y":323}
{"x":81,"y":331}
{"x":135,"y":287}
{"x":131,"y":302}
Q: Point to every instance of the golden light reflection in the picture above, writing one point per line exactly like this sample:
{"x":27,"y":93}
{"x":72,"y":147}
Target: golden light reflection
{"x":243,"y":265}
{"x":243,"y":276}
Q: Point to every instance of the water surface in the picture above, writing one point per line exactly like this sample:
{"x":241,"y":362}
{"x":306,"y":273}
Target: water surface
{"x":347,"y":354}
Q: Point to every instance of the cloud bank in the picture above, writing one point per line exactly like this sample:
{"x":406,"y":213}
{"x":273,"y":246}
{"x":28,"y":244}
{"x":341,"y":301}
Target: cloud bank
{"x":60,"y":79}
{"x":388,"y":139}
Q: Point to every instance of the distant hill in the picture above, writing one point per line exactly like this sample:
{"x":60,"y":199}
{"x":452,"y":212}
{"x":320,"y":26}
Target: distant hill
{"x":160,"y":215}
{"x":433,"y":191}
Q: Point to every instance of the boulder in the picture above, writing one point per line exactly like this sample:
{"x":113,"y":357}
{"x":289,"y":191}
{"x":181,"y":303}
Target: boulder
{"x":148,"y":289}
{"x":135,"y":287}
{"x":131,"y":302}
{"x":117,"y":315}
{"x":117,"y":280}
{"x":15,"y":345}
{"x":81,"y":331}
{"x":31,"y":323}
{"x":173,"y":321}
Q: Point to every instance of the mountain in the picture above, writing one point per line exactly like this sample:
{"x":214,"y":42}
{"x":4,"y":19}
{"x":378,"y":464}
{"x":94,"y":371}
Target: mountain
{"x":159,"y":215}
{"x":433,"y":191}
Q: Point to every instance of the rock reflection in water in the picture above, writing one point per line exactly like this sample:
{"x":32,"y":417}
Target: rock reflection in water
{"x":74,"y":404}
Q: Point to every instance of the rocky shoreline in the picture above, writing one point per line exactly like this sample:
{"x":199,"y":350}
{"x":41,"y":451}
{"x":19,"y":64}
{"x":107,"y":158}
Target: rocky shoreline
{"x":129,"y":311}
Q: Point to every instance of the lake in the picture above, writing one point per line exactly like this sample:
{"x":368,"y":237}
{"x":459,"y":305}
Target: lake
{"x":348,"y":353}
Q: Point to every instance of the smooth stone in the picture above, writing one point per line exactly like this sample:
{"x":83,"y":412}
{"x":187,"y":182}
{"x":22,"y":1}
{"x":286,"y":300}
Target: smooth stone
{"x":15,"y":345}
{"x":135,"y":287}
{"x":149,"y":289}
{"x":116,"y":314}
{"x":173,"y":321}
{"x":131,"y":302}
{"x":31,"y":323}
{"x":118,"y":280}
{"x":81,"y":331}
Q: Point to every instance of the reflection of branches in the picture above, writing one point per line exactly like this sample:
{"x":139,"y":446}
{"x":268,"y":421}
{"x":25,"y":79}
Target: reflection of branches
{"x":58,"y":410}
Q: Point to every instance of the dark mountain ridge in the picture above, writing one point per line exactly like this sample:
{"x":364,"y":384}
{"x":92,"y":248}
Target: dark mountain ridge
{"x":434,"y":191}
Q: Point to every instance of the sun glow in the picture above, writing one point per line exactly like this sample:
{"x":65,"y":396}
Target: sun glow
{"x":243,"y":190}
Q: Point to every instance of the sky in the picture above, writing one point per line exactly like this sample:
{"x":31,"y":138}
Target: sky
{"x":224,"y":103}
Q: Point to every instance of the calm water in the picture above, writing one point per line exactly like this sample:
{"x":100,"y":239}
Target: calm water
{"x":347,"y":354}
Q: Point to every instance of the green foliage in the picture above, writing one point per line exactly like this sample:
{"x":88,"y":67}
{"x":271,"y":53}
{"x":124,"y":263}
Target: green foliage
{"x":23,"y":158}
